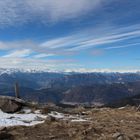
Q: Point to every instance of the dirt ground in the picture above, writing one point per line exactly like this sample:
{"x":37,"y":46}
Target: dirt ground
{"x":104,"y":124}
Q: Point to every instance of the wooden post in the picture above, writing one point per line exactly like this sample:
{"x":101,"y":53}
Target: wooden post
{"x":17,"y":90}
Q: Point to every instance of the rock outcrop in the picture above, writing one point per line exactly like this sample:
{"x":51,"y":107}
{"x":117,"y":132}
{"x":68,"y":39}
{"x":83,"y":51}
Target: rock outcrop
{"x":10,"y":104}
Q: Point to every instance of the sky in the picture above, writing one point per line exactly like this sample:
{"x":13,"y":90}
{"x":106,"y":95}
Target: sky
{"x":83,"y":35}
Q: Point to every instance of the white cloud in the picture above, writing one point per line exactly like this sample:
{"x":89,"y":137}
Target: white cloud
{"x":23,"y":63}
{"x":16,"y":45}
{"x":34,"y":63}
{"x":122,"y":46}
{"x":32,"y":54}
{"x":43,"y":55}
{"x":78,"y":42}
{"x":3,"y":46}
{"x":62,"y":42}
{"x":62,"y":9}
{"x":66,"y":66}
{"x":106,"y":40}
{"x":18,"y":54}
{"x":72,"y":44}
{"x":20,"y":12}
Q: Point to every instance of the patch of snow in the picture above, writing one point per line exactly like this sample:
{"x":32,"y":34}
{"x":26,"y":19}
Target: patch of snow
{"x":79,"y":120}
{"x":122,"y":108}
{"x":56,"y":115}
{"x":72,"y":118}
{"x":37,"y":112}
{"x":26,"y":110}
{"x":20,"y":119}
{"x":29,"y":119}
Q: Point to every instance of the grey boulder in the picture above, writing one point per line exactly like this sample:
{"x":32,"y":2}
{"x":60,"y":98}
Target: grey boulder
{"x":10,"y":104}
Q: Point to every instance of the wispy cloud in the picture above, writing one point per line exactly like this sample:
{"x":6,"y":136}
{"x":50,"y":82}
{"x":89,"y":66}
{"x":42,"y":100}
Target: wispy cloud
{"x":20,"y":12}
{"x":18,"y":54}
{"x":43,"y":55}
{"x":66,"y":65}
{"x":54,"y":52}
{"x":91,"y":27}
{"x":78,"y":42}
{"x":34,"y":63}
{"x":122,"y":46}
{"x":106,"y":40}
{"x":14,"y":45}
{"x":72,"y":44}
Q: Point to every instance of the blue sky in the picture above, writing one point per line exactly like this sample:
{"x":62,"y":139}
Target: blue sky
{"x":83,"y":35}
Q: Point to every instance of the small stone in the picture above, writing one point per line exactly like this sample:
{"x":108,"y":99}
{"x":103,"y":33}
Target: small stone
{"x":51,"y":118}
{"x":120,"y":138}
{"x":116,"y":135}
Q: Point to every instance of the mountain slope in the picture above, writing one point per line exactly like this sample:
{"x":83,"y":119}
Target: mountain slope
{"x":89,"y":88}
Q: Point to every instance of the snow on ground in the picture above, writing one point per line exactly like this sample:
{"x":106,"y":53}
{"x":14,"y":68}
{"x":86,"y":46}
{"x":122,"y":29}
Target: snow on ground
{"x":27,"y":119}
{"x":26,"y":110}
{"x":56,"y":115}
{"x":79,"y":120}
{"x":72,"y":118}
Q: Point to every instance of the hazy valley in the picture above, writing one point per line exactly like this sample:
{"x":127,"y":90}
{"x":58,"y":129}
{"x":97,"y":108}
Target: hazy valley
{"x":72,"y":88}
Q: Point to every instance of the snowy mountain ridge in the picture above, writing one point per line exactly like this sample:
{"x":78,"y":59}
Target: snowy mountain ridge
{"x":21,"y":70}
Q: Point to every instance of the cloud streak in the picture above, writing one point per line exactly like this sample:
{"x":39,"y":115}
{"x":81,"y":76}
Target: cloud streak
{"x":122,"y":46}
{"x":58,"y":53}
{"x":72,"y":44}
{"x":18,"y":54}
{"x":22,"y":12}
{"x":75,"y":43}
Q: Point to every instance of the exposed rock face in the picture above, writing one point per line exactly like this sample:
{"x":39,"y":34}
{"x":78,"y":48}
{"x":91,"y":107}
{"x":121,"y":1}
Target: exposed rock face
{"x":10,"y":104}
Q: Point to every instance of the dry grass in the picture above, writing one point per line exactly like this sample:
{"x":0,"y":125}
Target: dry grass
{"x":105,"y":124}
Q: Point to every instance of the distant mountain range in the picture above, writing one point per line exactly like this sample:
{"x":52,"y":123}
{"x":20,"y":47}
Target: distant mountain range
{"x":73,"y":88}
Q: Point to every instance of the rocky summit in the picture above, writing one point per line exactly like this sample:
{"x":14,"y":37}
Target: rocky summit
{"x":76,"y":124}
